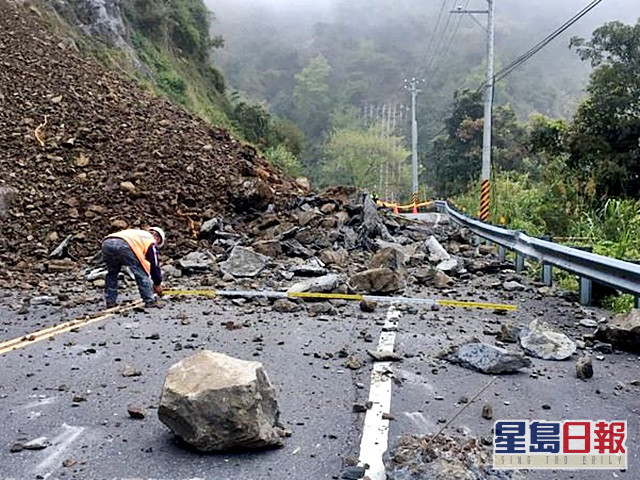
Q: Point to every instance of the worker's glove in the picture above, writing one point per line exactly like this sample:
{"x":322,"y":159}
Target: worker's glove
{"x":158,"y":290}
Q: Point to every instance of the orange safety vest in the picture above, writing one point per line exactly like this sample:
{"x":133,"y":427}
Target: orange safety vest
{"x":139,"y":241}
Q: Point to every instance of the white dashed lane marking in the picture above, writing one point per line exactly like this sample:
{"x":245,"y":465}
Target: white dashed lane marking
{"x":375,"y":434}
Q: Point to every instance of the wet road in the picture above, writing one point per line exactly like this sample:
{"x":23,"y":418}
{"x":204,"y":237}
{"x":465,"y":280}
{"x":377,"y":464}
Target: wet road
{"x":72,"y":391}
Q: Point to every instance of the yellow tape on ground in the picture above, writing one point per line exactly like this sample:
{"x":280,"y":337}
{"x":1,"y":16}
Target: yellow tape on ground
{"x":335,"y":296}
{"x":491,"y":306}
{"x":206,"y":293}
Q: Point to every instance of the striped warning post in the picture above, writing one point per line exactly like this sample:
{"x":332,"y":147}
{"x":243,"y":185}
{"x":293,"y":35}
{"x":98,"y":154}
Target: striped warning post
{"x":414,"y":201}
{"x":485,"y":200}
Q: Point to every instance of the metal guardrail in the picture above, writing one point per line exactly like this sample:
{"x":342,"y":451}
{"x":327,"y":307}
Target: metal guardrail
{"x":590,"y":267}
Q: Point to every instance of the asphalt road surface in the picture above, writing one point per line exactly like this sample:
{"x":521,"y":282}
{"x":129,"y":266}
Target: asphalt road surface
{"x":71,"y":390}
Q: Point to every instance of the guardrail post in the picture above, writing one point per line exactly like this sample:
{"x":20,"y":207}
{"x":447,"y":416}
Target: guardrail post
{"x":547,"y":274}
{"x":502,"y":253}
{"x":585,"y":291}
{"x":519,"y":262}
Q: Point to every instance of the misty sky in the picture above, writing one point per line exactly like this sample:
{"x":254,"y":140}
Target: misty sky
{"x":626,"y":10}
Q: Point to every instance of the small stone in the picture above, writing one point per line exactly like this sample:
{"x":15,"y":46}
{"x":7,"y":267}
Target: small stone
{"x":603,"y":347}
{"x":388,"y":416}
{"x":353,"y":363}
{"x":487,"y":412}
{"x":512,"y":286}
{"x":359,"y":408}
{"x":131,"y":371}
{"x":282,"y":305}
{"x":546,"y":406}
{"x":584,"y":368}
{"x":68,"y":463}
{"x":42,"y":300}
{"x":384,"y":356}
{"x":127,"y":187}
{"x":353,"y":473}
{"x":368,"y":306}
{"x":39,"y":443}
{"x":588,"y":322}
{"x":135,"y":412}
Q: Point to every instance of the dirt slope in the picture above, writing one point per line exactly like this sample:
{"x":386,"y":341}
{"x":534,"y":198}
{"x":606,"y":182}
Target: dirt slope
{"x":72,"y":134}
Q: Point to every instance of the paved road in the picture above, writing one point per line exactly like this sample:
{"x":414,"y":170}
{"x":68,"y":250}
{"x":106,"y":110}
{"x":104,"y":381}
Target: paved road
{"x":316,"y":395}
{"x":302,"y":355}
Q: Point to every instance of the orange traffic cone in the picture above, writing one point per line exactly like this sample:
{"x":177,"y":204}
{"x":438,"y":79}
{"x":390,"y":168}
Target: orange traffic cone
{"x":415,"y":209}
{"x":395,"y":209}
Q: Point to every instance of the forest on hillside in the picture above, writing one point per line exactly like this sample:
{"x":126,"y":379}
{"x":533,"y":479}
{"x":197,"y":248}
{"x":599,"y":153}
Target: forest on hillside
{"x":353,"y":55}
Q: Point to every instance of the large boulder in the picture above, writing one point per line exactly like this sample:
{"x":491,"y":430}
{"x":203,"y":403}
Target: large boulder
{"x":199,"y":261}
{"x":437,"y":253}
{"x":334,"y":257}
{"x":244,"y":262}
{"x":388,"y":257}
{"x":215,"y":402}
{"x":486,"y":358}
{"x":326,"y":283}
{"x":542,"y":342}
{"x":623,"y":332}
{"x":377,"y":280}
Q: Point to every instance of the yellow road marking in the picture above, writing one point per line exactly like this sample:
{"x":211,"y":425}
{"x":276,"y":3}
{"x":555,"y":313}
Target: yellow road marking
{"x":492,"y":306}
{"x":43,"y":334}
{"x":208,"y":293}
{"x":341,"y":296}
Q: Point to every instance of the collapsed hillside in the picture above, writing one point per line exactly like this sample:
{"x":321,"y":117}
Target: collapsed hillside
{"x":84,"y":152}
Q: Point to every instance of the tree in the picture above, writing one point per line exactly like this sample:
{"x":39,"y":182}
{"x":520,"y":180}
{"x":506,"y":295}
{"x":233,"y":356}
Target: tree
{"x":603,"y":141}
{"x":312,"y":98}
{"x":353,"y":156}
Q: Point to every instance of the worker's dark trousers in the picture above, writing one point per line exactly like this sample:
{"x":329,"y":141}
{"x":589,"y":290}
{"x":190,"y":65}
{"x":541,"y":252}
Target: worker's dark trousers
{"x":117,"y":253}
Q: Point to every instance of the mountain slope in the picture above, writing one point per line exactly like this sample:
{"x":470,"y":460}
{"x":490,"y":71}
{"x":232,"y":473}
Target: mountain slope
{"x":72,"y":134}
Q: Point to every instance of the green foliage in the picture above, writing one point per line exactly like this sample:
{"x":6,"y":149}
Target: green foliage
{"x":603,"y":141}
{"x":613,"y":229}
{"x":312,"y":98}
{"x":179,"y":24}
{"x":353,"y":156}
{"x":619,"y":303}
{"x":455,"y":159}
{"x":517,"y":202}
{"x":284,"y":160}
{"x":172,"y":40}
{"x":253,"y":121}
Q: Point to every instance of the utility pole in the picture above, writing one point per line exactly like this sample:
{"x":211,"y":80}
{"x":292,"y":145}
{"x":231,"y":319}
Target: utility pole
{"x":485,"y":194}
{"x":411,"y":86}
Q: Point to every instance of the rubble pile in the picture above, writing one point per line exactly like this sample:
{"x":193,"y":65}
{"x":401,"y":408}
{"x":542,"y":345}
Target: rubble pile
{"x":415,"y":457}
{"x":86,"y":152}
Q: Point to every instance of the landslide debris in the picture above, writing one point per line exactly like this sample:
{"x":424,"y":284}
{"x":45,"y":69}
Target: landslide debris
{"x":84,"y":151}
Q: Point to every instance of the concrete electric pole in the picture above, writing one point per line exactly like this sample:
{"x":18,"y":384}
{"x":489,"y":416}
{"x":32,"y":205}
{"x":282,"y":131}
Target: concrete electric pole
{"x":411,"y":86}
{"x":485,"y":195}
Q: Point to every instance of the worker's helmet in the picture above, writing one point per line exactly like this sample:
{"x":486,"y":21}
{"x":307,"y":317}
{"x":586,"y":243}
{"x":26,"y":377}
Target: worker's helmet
{"x":160,"y":233}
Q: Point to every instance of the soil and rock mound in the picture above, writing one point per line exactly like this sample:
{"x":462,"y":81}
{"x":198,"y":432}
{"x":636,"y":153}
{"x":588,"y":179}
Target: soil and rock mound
{"x":85,"y":152}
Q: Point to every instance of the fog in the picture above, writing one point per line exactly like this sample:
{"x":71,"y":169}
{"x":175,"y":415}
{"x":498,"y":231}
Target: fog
{"x":374,"y":44}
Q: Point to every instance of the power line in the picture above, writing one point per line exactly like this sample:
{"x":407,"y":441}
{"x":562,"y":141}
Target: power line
{"x":437,"y":48}
{"x":435,"y":30}
{"x":450,"y":42}
{"x":506,"y":70}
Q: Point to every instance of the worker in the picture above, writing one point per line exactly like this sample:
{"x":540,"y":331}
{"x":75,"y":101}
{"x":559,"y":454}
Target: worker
{"x":138,"y":250}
